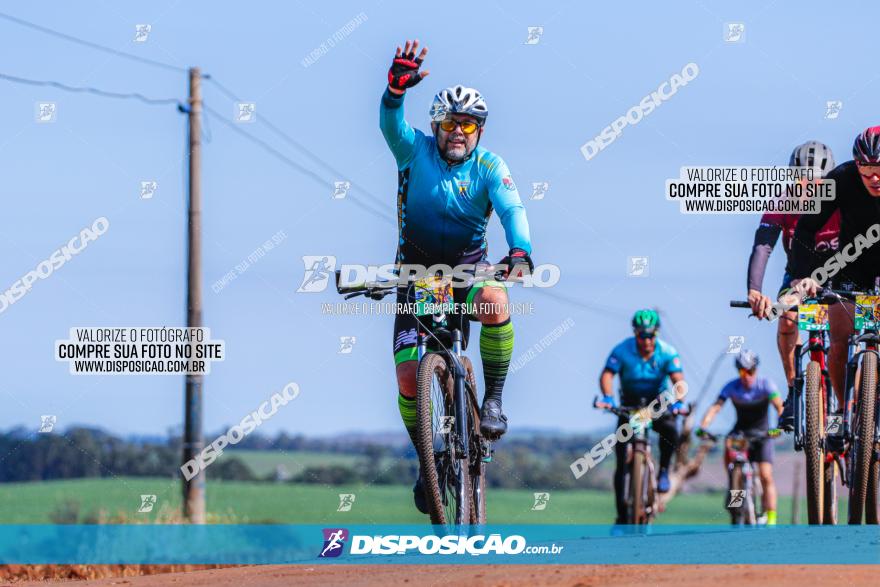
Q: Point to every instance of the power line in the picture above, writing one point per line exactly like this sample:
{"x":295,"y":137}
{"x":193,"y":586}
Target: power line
{"x":229,"y":94}
{"x":90,"y":90}
{"x":92,"y":45}
{"x":597,"y":308}
{"x":288,"y":161}
{"x":293,"y":142}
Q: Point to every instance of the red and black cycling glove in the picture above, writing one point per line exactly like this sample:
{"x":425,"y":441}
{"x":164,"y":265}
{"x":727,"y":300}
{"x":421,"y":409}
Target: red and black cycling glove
{"x":517,"y":257}
{"x":404,"y":71}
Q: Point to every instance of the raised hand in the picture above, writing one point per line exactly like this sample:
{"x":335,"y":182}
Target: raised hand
{"x":404,"y":71}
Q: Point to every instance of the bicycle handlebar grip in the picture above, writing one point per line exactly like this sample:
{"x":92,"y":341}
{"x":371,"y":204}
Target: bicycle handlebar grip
{"x":738,"y":304}
{"x":344,"y":289}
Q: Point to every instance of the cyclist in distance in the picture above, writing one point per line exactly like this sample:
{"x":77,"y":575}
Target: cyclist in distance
{"x":751,"y":396}
{"x":858,"y":203}
{"x":820,"y":159}
{"x":448,"y":187}
{"x":645,"y":364}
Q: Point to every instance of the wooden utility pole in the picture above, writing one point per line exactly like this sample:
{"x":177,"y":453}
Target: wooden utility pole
{"x":193,"y":442}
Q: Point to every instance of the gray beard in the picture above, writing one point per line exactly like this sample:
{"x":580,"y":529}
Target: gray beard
{"x":455,"y":158}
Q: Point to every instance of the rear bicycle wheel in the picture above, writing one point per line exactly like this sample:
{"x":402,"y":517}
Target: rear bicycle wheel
{"x":814,"y":442}
{"x":863,"y":447}
{"x":446,"y":476}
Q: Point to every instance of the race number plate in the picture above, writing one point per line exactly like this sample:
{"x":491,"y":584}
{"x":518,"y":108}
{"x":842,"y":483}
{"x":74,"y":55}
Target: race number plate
{"x":867,"y":313}
{"x":813,"y":317}
{"x":433,"y":295}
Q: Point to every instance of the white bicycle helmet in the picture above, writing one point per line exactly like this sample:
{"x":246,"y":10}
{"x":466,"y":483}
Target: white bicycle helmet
{"x":459,"y":100}
{"x":747,"y":360}
{"x":813,"y":154}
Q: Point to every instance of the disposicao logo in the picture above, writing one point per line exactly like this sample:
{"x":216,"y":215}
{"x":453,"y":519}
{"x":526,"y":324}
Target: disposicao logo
{"x":334,"y":542}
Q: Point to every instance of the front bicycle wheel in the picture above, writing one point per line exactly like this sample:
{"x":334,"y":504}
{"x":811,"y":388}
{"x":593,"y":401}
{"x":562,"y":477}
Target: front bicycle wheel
{"x":736,"y":502}
{"x":477,"y":467}
{"x":863,"y":446}
{"x":637,"y":487}
{"x":829,"y":510}
{"x":444,"y":473}
{"x":871,"y":513}
{"x":814,"y":442}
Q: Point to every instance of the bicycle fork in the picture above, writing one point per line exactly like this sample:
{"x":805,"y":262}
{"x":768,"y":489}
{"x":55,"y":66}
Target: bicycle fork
{"x":460,"y":395}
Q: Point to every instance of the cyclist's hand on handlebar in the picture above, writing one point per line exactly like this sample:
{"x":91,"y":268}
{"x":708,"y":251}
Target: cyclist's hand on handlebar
{"x":605,"y":402}
{"x":404,"y":71}
{"x":806,"y":287}
{"x":678,"y":408}
{"x":515,"y":257}
{"x":761,"y":304}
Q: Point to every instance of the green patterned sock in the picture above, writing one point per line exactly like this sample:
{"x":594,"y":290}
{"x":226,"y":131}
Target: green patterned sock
{"x":407,"y":409}
{"x":496,"y":348}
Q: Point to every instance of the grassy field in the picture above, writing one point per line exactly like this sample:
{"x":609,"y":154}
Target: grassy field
{"x":238,"y":502}
{"x":264,"y":462}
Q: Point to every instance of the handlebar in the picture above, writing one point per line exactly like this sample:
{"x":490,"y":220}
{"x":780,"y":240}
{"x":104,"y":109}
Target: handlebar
{"x":379,"y":289}
{"x":375,"y":290}
{"x":823,"y":296}
{"x":628,"y":411}
{"x":771,"y":433}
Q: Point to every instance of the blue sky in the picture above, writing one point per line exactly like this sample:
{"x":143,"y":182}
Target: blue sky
{"x":751,"y":103}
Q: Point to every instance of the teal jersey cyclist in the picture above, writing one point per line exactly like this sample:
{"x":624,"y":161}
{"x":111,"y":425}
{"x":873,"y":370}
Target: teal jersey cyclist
{"x":448,"y":188}
{"x":645,"y":365}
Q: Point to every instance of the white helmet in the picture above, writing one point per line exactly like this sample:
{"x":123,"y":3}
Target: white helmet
{"x":813,"y":154}
{"x":459,"y":100}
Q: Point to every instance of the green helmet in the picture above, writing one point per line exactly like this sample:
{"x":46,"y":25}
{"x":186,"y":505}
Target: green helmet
{"x":646,"y":321}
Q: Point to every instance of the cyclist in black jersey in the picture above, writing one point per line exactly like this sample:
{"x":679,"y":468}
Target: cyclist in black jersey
{"x":858,"y":200}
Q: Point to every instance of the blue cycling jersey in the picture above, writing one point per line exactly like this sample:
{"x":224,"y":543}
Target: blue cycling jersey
{"x":443,"y":209}
{"x":642,"y":379}
{"x":751,"y":403}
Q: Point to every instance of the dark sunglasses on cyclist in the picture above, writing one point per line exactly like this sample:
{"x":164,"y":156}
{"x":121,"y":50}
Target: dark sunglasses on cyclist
{"x":866,"y":171}
{"x":647,"y":335}
{"x":468,"y":127}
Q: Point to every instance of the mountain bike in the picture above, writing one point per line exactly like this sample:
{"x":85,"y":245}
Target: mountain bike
{"x":640,"y":484}
{"x":853,"y":433}
{"x":744,"y":488}
{"x":818,"y":429}
{"x":452,"y":452}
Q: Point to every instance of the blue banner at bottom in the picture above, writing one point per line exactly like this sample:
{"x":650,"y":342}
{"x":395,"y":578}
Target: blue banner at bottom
{"x":410,"y":544}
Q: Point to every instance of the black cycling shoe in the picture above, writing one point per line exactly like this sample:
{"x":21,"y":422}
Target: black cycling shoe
{"x":493,"y":422}
{"x":419,"y":495}
{"x":786,"y":418}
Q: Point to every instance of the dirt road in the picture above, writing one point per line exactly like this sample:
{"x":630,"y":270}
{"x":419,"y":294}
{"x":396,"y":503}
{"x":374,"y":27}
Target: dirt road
{"x":512,"y":575}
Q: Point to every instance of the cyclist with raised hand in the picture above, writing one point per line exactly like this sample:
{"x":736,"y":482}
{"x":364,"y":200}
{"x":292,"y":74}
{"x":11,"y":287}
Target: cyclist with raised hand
{"x":644,"y":364}
{"x":858,"y":202}
{"x":448,"y":187}
{"x":820,"y":159}
{"x":751,"y":396}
